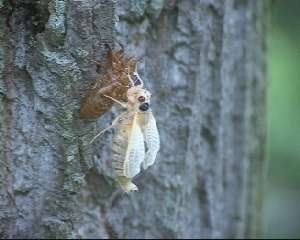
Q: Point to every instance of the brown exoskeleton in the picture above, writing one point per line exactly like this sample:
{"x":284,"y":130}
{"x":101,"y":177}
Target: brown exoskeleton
{"x":114,"y":83}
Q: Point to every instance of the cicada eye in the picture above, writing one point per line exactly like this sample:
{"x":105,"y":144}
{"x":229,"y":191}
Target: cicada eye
{"x":144,"y":107}
{"x":141,"y":99}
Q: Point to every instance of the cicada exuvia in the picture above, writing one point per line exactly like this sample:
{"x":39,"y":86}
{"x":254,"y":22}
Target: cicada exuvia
{"x":114,"y":83}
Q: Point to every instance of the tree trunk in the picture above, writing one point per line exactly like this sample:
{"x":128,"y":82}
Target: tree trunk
{"x":203,"y":61}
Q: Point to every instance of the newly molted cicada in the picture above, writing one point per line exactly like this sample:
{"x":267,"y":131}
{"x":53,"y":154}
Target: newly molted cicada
{"x":136,"y":141}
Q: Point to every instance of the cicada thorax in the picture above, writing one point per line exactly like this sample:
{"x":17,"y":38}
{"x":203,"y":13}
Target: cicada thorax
{"x":114,"y":83}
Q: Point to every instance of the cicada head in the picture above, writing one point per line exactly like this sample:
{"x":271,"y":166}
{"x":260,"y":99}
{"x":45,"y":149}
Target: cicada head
{"x":138,"y":98}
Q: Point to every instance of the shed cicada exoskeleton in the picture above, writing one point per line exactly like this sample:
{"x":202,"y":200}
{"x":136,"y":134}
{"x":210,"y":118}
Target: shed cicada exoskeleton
{"x":114,"y":82}
{"x":136,"y":140}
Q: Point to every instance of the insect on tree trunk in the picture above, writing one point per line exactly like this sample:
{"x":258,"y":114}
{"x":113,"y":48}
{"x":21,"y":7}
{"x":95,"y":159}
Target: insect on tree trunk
{"x":204,"y":63}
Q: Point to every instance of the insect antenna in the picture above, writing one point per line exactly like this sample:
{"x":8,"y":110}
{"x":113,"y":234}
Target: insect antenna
{"x":129,"y":77}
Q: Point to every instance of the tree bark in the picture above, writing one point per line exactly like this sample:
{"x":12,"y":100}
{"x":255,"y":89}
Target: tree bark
{"x":203,"y":61}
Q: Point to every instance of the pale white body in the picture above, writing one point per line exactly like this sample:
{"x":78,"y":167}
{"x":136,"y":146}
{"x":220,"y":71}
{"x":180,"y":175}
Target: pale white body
{"x":136,"y":141}
{"x":135,"y":132}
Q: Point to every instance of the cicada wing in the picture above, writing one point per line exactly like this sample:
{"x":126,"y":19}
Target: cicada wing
{"x":135,"y":153}
{"x":151,"y":137}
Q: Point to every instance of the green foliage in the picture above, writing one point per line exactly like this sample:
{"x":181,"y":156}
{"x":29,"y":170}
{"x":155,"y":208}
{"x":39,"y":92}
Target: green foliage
{"x":284,"y":108}
{"x":282,"y":213}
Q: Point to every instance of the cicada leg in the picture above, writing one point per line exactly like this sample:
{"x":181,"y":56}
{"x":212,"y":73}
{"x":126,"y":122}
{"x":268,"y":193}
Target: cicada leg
{"x":123,"y":104}
{"x":106,"y":129}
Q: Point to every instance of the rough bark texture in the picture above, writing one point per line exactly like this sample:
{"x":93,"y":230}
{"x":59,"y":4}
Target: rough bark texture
{"x":204,"y":62}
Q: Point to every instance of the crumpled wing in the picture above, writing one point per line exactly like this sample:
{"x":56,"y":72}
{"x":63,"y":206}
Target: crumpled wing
{"x":135,"y":153}
{"x":151,"y":137}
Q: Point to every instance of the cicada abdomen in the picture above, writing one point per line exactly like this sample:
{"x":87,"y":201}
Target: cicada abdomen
{"x":114,"y":83}
{"x":128,"y":151}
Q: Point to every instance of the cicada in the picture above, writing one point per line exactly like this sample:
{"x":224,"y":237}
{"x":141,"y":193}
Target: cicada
{"x":136,"y":140}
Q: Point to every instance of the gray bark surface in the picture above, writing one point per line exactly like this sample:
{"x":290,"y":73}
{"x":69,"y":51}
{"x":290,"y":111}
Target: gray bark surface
{"x":203,"y":61}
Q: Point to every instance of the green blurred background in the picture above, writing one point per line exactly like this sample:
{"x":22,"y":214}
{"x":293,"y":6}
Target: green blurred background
{"x":282,"y":197}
